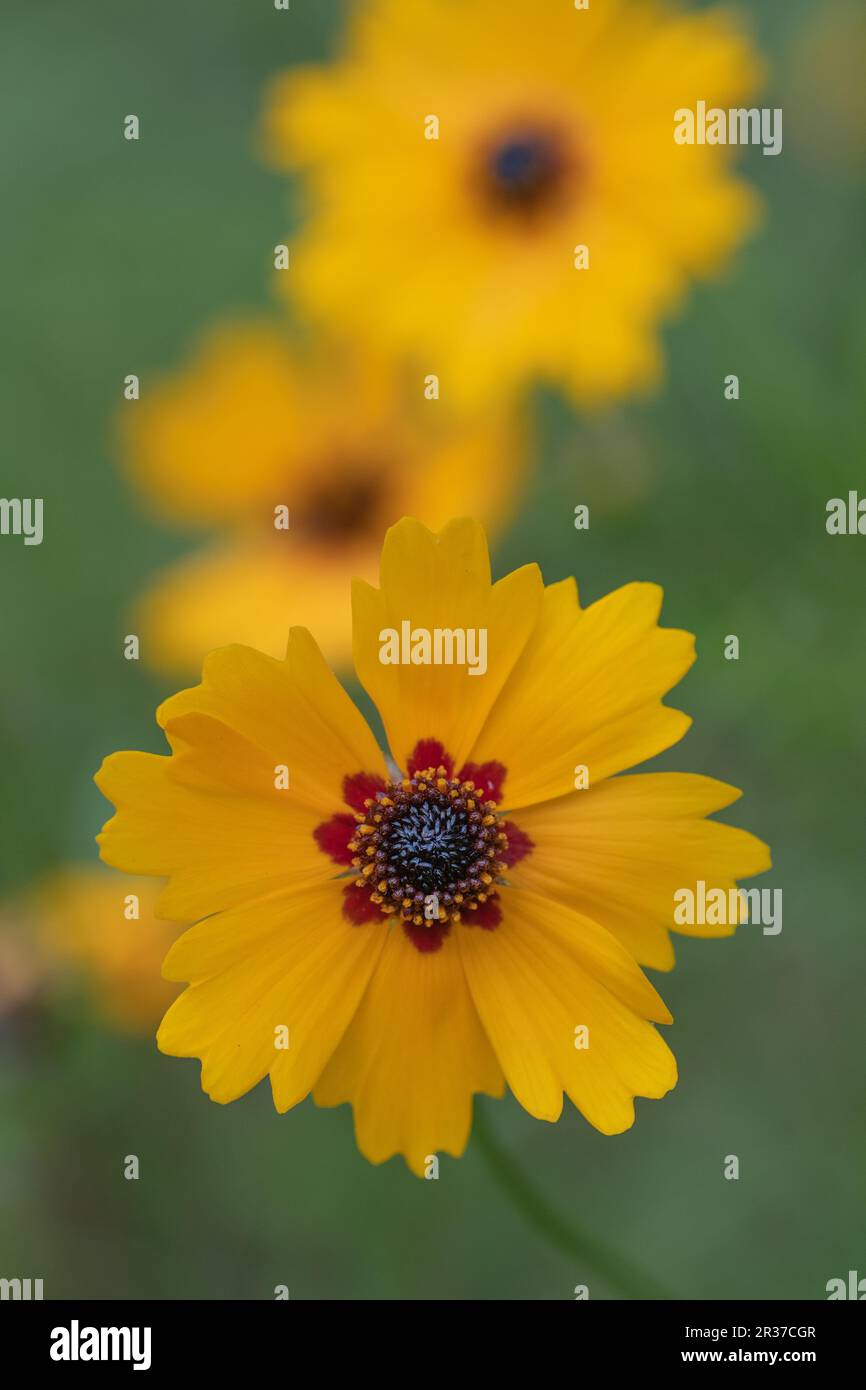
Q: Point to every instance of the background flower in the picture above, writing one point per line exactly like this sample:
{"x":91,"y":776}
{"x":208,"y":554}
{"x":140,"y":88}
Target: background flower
{"x":342,"y":441}
{"x":100,"y":930}
{"x":555,"y":130}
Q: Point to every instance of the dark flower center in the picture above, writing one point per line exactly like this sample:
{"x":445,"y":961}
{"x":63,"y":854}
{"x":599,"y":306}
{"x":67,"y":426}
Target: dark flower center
{"x":523,"y":171}
{"x":430,"y":845}
{"x":344,"y":506}
{"x":428,"y":848}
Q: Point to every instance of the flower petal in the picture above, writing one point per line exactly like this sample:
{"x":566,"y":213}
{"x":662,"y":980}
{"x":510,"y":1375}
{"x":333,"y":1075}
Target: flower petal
{"x":619,"y":851}
{"x":412,"y":1057}
{"x":251,"y":590}
{"x":544,"y":973}
{"x":238,"y":399}
{"x":287,"y":961}
{"x":587,"y":691}
{"x":209,"y":818}
{"x":295,"y":710}
{"x":440,"y":581}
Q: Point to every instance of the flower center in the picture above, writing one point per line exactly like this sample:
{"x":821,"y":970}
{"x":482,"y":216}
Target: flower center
{"x":428,"y":848}
{"x":523,"y":171}
{"x":429,"y":845}
{"x":343,"y":507}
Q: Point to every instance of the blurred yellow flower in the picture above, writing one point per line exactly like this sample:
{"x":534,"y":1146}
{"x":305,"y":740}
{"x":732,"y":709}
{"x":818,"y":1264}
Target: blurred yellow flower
{"x":102,"y":928}
{"x":461,"y":151}
{"x":255,"y":426}
{"x":402,"y":934}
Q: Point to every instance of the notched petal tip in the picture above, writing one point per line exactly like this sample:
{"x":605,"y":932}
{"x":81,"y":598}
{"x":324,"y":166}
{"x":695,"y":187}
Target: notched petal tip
{"x":111,"y":764}
{"x":103,"y":843}
{"x":763,"y":856}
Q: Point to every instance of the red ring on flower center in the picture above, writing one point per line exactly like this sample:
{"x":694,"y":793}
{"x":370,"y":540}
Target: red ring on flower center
{"x":428,"y":849}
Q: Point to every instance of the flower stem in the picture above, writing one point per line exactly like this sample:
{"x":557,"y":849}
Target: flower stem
{"x":565,"y":1235}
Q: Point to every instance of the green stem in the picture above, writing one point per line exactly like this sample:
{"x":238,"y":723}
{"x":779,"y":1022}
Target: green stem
{"x":565,"y":1235}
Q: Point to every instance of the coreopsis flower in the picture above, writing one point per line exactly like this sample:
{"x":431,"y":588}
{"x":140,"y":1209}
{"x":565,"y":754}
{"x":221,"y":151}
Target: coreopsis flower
{"x":401,"y":930}
{"x":101,"y":929}
{"x":494,"y":186}
{"x":294,"y":461}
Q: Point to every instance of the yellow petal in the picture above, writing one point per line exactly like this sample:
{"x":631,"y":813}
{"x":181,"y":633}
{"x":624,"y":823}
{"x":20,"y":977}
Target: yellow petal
{"x":440,"y":581}
{"x":287,"y":962}
{"x":412,"y":1057}
{"x":251,"y":593}
{"x":587,"y":691}
{"x":619,"y":851}
{"x":213,"y":817}
{"x":294,"y":710}
{"x":546,"y":972}
{"x":222,"y":438}
{"x":210,"y":819}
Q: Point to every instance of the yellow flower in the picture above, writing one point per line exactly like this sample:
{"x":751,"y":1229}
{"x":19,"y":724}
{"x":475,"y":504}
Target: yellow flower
{"x":104,"y":928}
{"x":403,"y":932}
{"x":255,"y":424}
{"x":552,"y":129}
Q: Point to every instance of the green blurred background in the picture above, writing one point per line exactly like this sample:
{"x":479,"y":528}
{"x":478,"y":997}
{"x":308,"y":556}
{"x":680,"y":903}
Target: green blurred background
{"x":114,"y":257}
